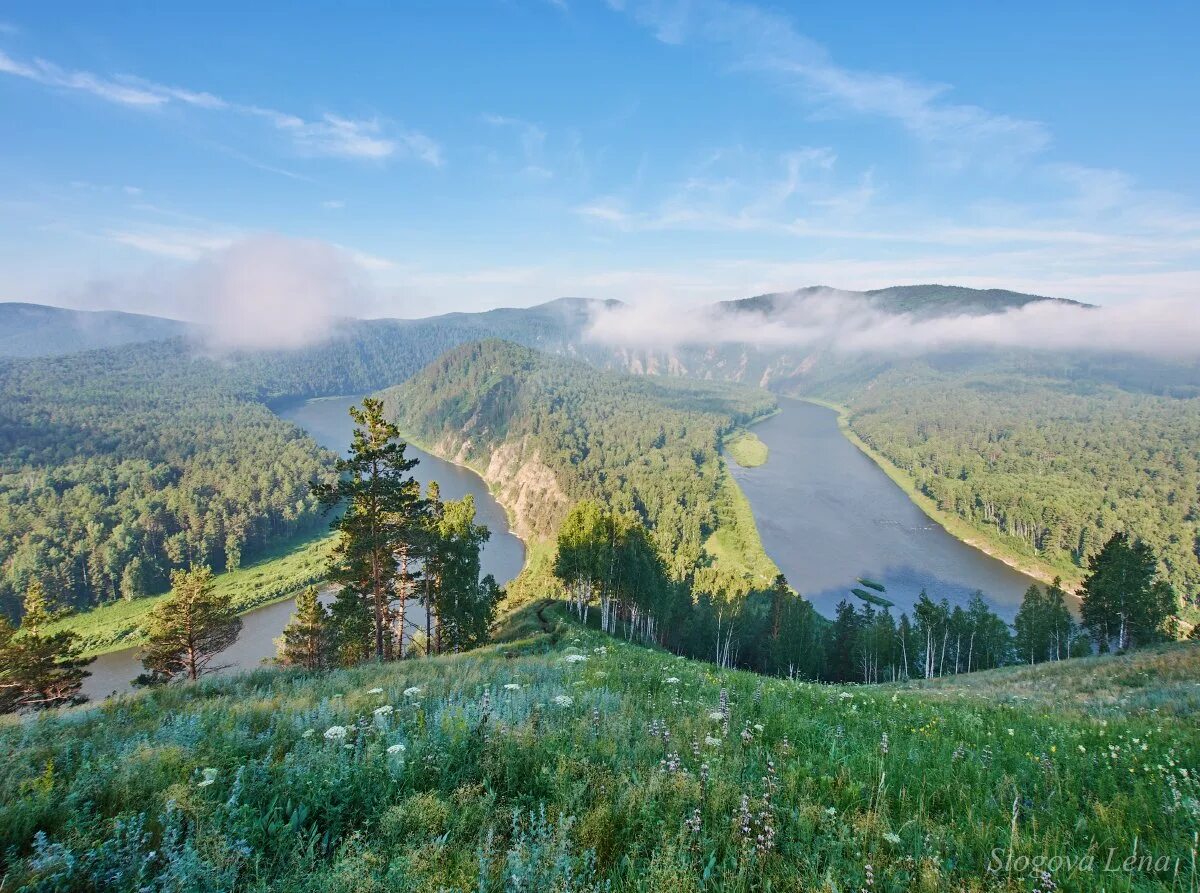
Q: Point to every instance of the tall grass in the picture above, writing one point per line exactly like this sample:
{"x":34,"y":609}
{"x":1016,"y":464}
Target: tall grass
{"x":570,"y":761}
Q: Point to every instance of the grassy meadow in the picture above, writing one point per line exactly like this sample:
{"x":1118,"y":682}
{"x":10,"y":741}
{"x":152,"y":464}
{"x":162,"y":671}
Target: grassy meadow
{"x":562,"y":760}
{"x":277,"y":576}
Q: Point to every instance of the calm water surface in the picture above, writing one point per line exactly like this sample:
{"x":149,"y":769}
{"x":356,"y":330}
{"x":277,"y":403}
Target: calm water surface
{"x":327,"y":421}
{"x":828,"y":515}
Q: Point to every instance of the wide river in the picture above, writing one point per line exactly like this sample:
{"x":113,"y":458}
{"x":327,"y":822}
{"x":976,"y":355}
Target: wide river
{"x":328,"y":422}
{"x":828,"y":515}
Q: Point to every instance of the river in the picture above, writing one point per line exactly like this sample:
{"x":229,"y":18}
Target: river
{"x":828,"y":515}
{"x":327,"y":421}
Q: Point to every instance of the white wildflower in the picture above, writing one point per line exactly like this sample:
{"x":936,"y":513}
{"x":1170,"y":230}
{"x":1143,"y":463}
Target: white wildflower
{"x":563,"y":700}
{"x":672,"y":680}
{"x":575,"y":658}
{"x":308,"y":733}
{"x":385,"y":710}
{"x":758,"y":727}
{"x":412,"y":691}
{"x":374,"y":691}
{"x":396,"y":748}
{"x":716,"y":716}
{"x":210,"y":775}
{"x":335,"y":733}
{"x":892,"y":838}
{"x":711,"y":741}
{"x":512,"y":686}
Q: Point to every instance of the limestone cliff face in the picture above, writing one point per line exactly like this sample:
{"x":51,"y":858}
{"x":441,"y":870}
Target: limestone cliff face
{"x":519,"y":479}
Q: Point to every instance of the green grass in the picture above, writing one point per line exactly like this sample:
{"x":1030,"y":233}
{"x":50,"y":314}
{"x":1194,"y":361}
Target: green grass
{"x":735,"y":545}
{"x":585,"y":779}
{"x":1164,"y":680}
{"x":746,"y":449}
{"x":275,"y":577}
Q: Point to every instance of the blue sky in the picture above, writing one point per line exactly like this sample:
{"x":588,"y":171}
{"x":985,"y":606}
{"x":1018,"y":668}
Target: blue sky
{"x":467,"y":155}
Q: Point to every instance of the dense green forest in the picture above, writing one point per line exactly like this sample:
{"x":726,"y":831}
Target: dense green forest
{"x":642,"y":446}
{"x":1052,"y":470}
{"x":119,"y":465}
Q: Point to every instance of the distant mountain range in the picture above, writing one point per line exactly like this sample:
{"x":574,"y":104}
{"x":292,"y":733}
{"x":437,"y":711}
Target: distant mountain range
{"x":36,"y":330}
{"x":920,"y":300}
{"x":30,"y":330}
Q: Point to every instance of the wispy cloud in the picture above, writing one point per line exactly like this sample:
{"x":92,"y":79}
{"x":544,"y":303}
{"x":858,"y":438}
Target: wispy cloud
{"x":826,"y":318}
{"x":330,"y":135}
{"x":532,"y":138}
{"x":755,"y":39}
{"x":169,"y":242}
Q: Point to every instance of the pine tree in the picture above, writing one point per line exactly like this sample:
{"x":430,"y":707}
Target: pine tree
{"x":37,"y":670}
{"x":1032,"y":637}
{"x":307,"y":639}
{"x":381,"y":530}
{"x":189,"y":628}
{"x":1121,"y":601}
{"x":840,"y":666}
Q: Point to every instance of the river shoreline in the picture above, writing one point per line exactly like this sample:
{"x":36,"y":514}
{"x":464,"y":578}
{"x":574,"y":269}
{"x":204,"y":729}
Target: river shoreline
{"x":952,"y":524}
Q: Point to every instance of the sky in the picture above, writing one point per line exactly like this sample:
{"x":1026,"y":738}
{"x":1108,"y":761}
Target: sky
{"x":465,"y":155}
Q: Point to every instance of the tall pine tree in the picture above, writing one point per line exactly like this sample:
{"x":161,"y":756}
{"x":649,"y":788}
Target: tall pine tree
{"x":381,"y":531}
{"x":188,"y":629}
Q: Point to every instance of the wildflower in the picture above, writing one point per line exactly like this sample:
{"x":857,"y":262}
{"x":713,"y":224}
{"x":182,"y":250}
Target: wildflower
{"x":716,"y":716}
{"x":693,"y":823}
{"x":758,"y":727}
{"x":396,"y":748}
{"x":210,"y":775}
{"x":575,"y":658}
{"x":883,"y":744}
{"x":563,"y":700}
{"x":385,"y":710}
{"x":1011,"y":732}
{"x":308,"y":733}
{"x":412,"y":691}
{"x":893,"y":839}
{"x":335,"y":733}
{"x":830,"y":811}
{"x":869,"y":872}
{"x":512,"y":686}
{"x":672,"y":680}
{"x":711,"y":741}
{"x":374,"y":691}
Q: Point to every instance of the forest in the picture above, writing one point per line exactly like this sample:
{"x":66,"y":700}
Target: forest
{"x":1052,"y":470}
{"x":120,"y":465}
{"x":642,"y":446}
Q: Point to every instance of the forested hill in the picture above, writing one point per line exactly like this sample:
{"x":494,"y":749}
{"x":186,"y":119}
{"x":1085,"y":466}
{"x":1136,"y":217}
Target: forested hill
{"x":554,"y":431}
{"x":919,"y":300}
{"x":33,"y":330}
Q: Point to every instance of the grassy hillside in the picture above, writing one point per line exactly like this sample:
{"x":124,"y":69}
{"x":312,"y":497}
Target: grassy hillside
{"x":1160,"y":681}
{"x":561,"y":760}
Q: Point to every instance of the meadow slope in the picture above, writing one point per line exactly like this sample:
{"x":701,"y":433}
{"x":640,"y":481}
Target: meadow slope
{"x":561,"y":759}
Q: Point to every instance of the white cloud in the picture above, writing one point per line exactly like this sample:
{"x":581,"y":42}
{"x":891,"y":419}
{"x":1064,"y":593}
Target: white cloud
{"x":178,"y":244}
{"x":849,"y":322}
{"x":330,"y":135}
{"x":759,"y":40}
